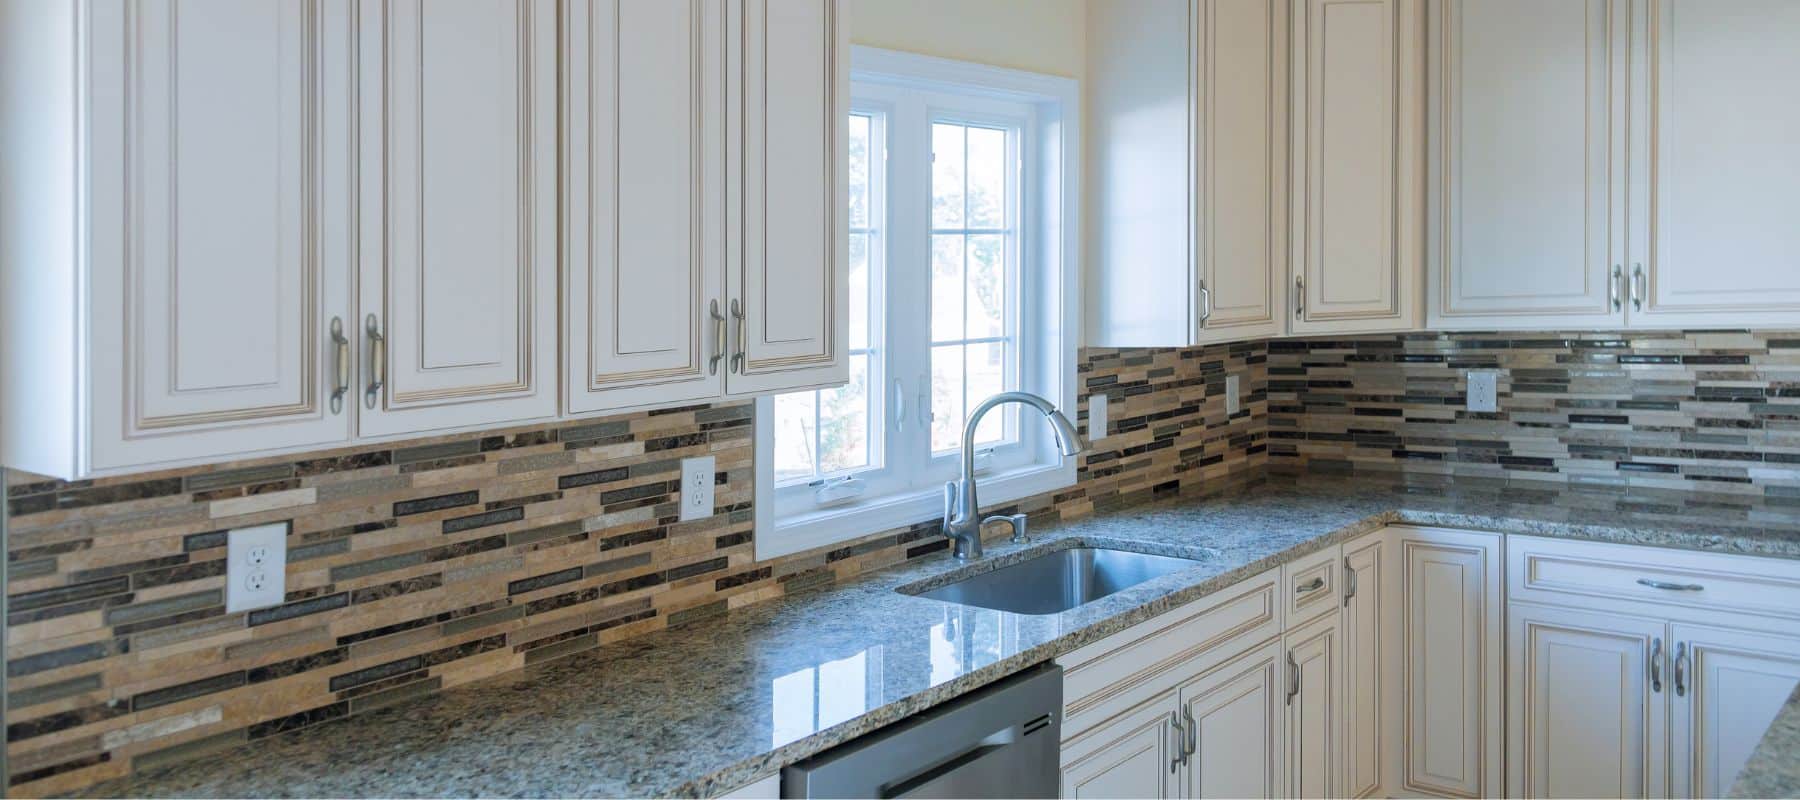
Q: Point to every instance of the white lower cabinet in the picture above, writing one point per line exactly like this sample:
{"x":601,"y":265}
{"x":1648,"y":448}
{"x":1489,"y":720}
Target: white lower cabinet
{"x":1234,"y":722}
{"x":1366,"y":684}
{"x":1586,"y":703}
{"x":1312,"y":709}
{"x":1728,"y":686}
{"x":1134,"y":755}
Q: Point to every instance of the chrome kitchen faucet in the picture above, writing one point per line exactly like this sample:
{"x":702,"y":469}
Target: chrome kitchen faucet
{"x":962,"y":511}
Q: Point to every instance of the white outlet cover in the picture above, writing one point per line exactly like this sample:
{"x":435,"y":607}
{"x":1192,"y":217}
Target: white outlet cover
{"x":256,"y":567}
{"x":1097,"y":420}
{"x":697,"y":487}
{"x":1233,"y":403}
{"x":1484,"y":391}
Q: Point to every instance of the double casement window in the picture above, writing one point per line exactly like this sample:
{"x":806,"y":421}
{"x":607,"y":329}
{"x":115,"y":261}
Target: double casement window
{"x":961,"y":286}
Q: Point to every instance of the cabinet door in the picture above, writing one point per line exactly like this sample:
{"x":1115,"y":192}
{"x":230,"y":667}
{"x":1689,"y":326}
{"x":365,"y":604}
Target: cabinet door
{"x":1714,"y":164}
{"x":644,"y":244}
{"x":1728,"y":687}
{"x":1236,"y":724}
{"x":459,"y":213}
{"x":219,"y":141}
{"x":1449,"y":590}
{"x":1240,"y":233}
{"x":1586,"y":709}
{"x":1313,"y":709}
{"x":1135,"y":755}
{"x":1363,"y":692}
{"x":1528,"y":217}
{"x":1358,"y":164}
{"x":788,"y":279}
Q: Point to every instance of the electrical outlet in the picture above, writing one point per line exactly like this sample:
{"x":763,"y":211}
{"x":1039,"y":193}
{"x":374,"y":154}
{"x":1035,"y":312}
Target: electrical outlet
{"x":1233,"y":403}
{"x":1484,"y":391}
{"x":1097,"y":404}
{"x":697,"y":487}
{"x":256,"y":567}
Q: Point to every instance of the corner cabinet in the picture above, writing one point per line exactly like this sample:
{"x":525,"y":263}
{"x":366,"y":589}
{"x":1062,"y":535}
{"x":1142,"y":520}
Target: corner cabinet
{"x":317,"y":223}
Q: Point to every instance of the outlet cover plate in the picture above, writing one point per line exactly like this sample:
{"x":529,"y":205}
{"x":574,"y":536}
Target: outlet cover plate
{"x":1484,"y":391}
{"x":697,"y":487}
{"x":1233,"y":403}
{"x":1097,"y":406}
{"x":256,"y":567}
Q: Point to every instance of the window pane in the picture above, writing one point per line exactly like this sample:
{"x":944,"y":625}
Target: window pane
{"x":859,"y":171}
{"x":985,"y":365}
{"x":987,"y":178}
{"x":987,"y":286}
{"x":794,"y":436}
{"x":946,"y":287}
{"x":946,"y":176}
{"x":859,"y":291}
{"x":946,"y":397}
{"x":844,"y":421}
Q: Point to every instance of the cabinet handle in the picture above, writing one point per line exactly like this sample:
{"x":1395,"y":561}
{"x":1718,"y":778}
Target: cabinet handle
{"x":1640,"y":286}
{"x":1349,"y":583}
{"x":1672,"y":587}
{"x":737,"y":358}
{"x":1681,"y":661}
{"x":1299,"y":297}
{"x":1180,"y":742}
{"x":377,"y":360}
{"x":1656,"y":656}
{"x":341,"y":350}
{"x":1192,"y":741}
{"x":1616,"y":288}
{"x":1293,"y":678}
{"x":718,"y":354}
{"x":1310,"y":586}
{"x":1205,"y":304}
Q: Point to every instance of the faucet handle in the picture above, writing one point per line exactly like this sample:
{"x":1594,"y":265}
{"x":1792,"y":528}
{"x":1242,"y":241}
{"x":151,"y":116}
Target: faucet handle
{"x":949,"y":505}
{"x":1017,"y":521}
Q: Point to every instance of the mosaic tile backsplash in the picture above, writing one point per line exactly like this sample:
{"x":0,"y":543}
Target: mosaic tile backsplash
{"x":1711,"y":411}
{"x":417,"y":567}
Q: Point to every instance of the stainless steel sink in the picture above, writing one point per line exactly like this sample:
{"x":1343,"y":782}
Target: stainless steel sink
{"x":1058,"y":581}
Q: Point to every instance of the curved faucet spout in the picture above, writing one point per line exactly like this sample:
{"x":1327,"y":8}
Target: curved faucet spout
{"x":962,"y":510}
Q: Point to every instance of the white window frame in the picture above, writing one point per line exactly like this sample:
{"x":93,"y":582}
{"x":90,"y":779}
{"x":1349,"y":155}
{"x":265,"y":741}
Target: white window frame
{"x":1049,"y":307}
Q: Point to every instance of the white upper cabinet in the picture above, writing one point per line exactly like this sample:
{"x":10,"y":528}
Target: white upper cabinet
{"x":1714,"y":164}
{"x":1358,"y":107}
{"x":644,"y":121}
{"x":787,"y":281}
{"x":1528,"y":219}
{"x":458,"y":274}
{"x":221,"y":231}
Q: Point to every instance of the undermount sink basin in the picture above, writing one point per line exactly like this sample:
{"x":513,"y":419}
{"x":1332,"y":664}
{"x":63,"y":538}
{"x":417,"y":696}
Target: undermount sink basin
{"x":1058,"y":581}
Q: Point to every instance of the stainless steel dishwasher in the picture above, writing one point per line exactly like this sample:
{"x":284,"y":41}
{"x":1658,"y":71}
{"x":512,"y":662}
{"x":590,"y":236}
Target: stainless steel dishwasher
{"x":1001,"y":741}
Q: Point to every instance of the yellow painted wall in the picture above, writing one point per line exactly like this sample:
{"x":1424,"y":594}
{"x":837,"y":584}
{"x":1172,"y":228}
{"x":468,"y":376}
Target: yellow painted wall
{"x":1046,"y":36}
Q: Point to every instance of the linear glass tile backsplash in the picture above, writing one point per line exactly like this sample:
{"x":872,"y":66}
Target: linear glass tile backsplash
{"x":419,"y":567}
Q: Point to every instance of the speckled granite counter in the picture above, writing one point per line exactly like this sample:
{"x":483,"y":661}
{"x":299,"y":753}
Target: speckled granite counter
{"x":1774,"y":767}
{"x":702,"y":709}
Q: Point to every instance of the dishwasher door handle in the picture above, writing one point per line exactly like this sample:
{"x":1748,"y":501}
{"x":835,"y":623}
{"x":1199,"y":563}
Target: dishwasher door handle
{"x":920,"y":784}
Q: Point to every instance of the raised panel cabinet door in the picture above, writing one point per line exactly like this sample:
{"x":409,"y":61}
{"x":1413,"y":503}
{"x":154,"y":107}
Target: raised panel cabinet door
{"x":1313,"y":709}
{"x":1233,"y":716}
{"x":1134,"y":755}
{"x":1714,"y":164}
{"x":458,"y":279}
{"x":644,"y":101}
{"x":1240,"y":104}
{"x":1728,"y":686}
{"x":1364,"y":699}
{"x":1449,"y":589}
{"x":788,"y":272}
{"x":1526,"y":154}
{"x":1586,"y":709}
{"x":1358,"y":130}
{"x":219,"y":145}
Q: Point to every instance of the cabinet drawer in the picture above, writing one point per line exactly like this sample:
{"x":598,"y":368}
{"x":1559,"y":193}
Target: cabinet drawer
{"x":1684,"y":582}
{"x":1312,"y":584}
{"x":1111,"y":676}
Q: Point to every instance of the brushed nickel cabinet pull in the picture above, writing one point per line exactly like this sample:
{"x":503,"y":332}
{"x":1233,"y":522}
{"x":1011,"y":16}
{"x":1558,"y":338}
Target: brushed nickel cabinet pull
{"x":1616,"y":288}
{"x":341,"y":348}
{"x":1656,"y":656}
{"x":1193,"y":734}
{"x":718,"y":353}
{"x":1310,"y":586}
{"x":1349,"y":582}
{"x":1640,"y":286}
{"x":1293,"y":678}
{"x":1205,"y":304}
{"x":377,"y":360}
{"x":743,"y":332}
{"x":1668,"y":586}
{"x":1180,"y":741}
{"x":1299,"y":297}
{"x":1681,"y":661}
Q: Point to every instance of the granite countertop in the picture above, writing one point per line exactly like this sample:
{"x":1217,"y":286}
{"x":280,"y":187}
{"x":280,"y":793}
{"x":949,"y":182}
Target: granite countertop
{"x":708,"y":707}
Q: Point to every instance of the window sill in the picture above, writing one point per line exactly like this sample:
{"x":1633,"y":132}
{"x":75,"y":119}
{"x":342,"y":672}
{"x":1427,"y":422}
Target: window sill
{"x":811,"y":530}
